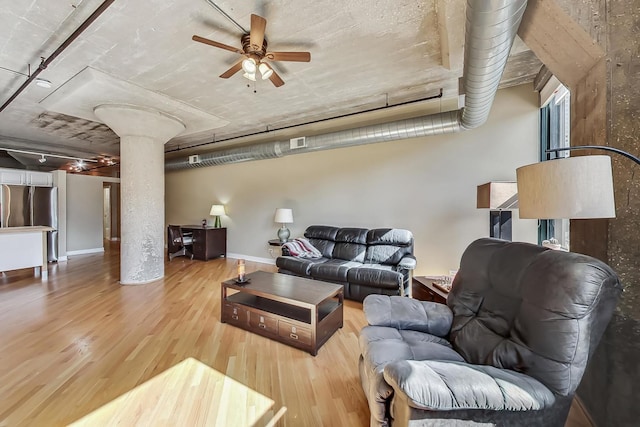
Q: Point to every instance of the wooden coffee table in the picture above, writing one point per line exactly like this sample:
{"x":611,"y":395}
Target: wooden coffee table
{"x":300,"y":312}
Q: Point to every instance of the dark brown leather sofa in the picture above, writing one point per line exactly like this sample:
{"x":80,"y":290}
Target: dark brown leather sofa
{"x":376,"y":261}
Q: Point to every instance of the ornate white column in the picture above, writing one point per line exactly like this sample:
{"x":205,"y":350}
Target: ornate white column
{"x":143,"y":132}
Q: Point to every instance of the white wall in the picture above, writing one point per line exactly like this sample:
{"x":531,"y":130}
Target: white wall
{"x":426,"y":185}
{"x":84,"y":213}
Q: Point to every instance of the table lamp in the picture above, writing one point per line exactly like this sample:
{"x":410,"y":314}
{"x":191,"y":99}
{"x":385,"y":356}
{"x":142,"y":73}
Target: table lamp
{"x":217,"y":210}
{"x":283,"y":216}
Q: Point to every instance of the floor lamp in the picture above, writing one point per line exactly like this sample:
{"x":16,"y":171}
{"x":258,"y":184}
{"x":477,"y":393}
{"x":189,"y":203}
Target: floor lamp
{"x":573,"y":187}
{"x":500,"y":198}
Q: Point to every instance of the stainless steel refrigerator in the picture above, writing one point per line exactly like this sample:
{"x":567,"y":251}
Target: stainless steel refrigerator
{"x":26,"y":206}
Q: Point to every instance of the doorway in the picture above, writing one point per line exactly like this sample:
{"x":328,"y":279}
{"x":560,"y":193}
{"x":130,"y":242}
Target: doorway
{"x":111,"y":211}
{"x":106,"y":212}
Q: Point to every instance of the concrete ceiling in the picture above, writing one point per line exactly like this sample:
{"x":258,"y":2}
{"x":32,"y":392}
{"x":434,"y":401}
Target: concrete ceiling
{"x":364,"y":55}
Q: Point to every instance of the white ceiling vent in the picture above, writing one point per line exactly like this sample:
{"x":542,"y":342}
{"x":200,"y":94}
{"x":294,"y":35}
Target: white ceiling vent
{"x":194,"y":159}
{"x":295,"y":143}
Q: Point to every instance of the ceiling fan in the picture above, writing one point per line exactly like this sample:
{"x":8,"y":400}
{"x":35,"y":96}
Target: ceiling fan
{"x":255,"y":55}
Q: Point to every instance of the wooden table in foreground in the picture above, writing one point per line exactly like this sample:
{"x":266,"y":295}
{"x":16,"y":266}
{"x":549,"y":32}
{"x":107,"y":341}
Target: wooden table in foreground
{"x":300,"y":312}
{"x":189,"y":394}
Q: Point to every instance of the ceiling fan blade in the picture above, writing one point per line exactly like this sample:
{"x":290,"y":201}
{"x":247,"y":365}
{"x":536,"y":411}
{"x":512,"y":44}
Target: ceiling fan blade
{"x":276,"y":80}
{"x":258,"y":25}
{"x":217,"y":44}
{"x":289,"y":56}
{"x":231,"y":71}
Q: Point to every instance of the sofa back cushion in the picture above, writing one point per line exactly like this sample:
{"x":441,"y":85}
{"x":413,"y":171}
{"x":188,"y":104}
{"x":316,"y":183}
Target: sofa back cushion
{"x":388,"y":245}
{"x":322,"y":237}
{"x":351,"y":244}
{"x":531,"y":309}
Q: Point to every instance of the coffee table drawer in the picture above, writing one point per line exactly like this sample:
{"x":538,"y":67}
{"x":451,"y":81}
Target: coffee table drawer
{"x":263,"y":322}
{"x":292,"y":332}
{"x":234,"y":312}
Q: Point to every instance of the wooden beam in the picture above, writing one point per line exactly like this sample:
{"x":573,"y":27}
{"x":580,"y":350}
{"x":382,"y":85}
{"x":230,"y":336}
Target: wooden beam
{"x":543,"y":77}
{"x":521,"y":68}
{"x":589,"y":127}
{"x":560,"y":43}
{"x":451,"y":19}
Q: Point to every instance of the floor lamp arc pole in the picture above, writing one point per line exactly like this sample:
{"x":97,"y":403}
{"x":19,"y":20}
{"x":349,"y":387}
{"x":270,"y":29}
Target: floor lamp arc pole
{"x":597,"y":147}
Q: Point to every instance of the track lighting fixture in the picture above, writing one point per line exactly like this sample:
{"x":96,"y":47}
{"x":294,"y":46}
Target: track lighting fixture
{"x":43,"y":159}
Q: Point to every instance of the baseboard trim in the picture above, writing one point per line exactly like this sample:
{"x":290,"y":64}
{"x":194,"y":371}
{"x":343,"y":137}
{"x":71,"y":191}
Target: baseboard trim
{"x":85,"y":251}
{"x":252,"y":258}
{"x":62,"y":258}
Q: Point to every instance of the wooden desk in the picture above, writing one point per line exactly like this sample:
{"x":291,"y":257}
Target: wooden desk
{"x":208,"y":242}
{"x":190,"y":394}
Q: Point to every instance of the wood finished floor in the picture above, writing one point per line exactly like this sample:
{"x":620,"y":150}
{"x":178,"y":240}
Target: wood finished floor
{"x":78,"y":340}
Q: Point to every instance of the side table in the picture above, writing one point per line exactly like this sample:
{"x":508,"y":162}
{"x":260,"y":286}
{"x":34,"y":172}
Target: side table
{"x":423,"y":288}
{"x":275,"y":253}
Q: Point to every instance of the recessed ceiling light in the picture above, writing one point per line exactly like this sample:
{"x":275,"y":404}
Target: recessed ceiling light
{"x":43,"y":83}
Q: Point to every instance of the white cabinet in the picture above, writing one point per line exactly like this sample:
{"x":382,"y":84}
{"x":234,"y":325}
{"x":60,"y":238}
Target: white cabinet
{"x":24,"y":177}
{"x":12,"y":177}
{"x":41,"y":179}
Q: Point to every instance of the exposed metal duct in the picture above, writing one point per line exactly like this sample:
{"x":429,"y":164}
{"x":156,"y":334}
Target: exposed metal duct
{"x":491,"y":28}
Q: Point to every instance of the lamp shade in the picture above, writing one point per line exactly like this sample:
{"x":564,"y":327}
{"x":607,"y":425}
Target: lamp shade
{"x":249,"y":66}
{"x":498,"y":195}
{"x":265,"y":71}
{"x":283,"y":216}
{"x":574,"y":187}
{"x":217,"y":210}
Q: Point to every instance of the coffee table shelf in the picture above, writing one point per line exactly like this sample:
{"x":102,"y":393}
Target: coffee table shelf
{"x":296,"y":311}
{"x":282,"y":309}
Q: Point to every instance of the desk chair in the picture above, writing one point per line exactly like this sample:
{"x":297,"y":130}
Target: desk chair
{"x":179,"y":244}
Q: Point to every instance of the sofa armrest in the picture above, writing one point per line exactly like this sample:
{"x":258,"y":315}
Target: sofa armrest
{"x":408,"y":313}
{"x":408,"y":262}
{"x":445,"y":386}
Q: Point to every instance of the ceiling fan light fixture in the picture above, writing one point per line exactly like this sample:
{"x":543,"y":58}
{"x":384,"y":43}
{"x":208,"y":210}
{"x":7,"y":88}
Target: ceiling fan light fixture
{"x":265,"y":71}
{"x":253,"y":51}
{"x":249,"y":66}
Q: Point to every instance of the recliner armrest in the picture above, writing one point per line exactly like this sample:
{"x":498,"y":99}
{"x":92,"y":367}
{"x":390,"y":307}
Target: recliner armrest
{"x":445,"y":386}
{"x":408,"y":313}
{"x":408,"y":262}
